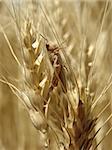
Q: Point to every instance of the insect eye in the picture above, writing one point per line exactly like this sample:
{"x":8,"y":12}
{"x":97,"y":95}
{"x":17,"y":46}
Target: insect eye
{"x":47,"y":46}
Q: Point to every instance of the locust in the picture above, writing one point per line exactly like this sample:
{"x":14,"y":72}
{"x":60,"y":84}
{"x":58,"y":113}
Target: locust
{"x":59,"y":68}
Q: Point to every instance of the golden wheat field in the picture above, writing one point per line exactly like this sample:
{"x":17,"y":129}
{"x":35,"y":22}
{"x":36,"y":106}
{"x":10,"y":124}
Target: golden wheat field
{"x":55,"y":75}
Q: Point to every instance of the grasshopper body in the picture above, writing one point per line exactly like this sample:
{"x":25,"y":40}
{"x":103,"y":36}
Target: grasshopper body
{"x":56,"y":61}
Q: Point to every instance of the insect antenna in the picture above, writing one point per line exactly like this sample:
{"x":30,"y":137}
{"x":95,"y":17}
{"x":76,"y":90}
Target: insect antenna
{"x":43,"y":37}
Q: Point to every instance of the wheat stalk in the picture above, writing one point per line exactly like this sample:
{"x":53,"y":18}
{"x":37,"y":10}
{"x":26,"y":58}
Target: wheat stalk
{"x":61,"y":96}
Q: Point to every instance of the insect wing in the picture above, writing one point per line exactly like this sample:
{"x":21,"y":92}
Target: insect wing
{"x":62,"y":76}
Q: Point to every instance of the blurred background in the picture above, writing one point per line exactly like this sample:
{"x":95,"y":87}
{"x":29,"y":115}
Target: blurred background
{"x":75,"y":21}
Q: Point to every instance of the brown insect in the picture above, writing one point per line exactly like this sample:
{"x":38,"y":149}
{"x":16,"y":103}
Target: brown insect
{"x":56,"y":61}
